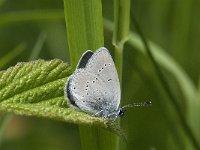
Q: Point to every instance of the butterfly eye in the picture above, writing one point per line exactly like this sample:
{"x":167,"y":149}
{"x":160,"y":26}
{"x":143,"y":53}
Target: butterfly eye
{"x":121,"y":112}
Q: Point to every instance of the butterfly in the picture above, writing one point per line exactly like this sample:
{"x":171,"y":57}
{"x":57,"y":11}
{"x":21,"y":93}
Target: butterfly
{"x":94,"y":87}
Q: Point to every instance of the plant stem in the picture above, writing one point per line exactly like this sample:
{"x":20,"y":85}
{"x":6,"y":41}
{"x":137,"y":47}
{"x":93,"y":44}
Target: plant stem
{"x":85,"y":31}
{"x":121,"y":31}
{"x":3,"y":124}
{"x":120,"y":34}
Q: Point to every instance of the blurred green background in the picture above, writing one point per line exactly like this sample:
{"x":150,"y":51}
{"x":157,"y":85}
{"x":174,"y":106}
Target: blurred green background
{"x":37,"y":28}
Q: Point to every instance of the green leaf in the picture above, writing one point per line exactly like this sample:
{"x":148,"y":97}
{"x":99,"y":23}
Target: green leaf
{"x":36,"y":89}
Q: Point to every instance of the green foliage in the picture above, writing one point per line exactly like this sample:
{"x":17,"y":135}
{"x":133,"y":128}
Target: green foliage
{"x":121,"y":31}
{"x":171,"y":29}
{"x":36,"y":89}
{"x":84,"y":27}
{"x":11,"y":55}
{"x":31,"y":15}
{"x":85,"y":31}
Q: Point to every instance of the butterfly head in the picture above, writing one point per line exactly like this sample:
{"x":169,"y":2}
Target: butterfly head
{"x":121,"y":112}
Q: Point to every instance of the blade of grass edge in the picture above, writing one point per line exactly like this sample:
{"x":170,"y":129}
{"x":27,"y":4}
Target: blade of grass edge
{"x":84,"y":24}
{"x":197,"y":122}
{"x":31,"y":15}
{"x":38,"y":46}
{"x":121,"y":31}
{"x":166,"y":86}
{"x":2,"y":2}
{"x":12,"y":54}
{"x":120,"y":36}
{"x":5,"y":118}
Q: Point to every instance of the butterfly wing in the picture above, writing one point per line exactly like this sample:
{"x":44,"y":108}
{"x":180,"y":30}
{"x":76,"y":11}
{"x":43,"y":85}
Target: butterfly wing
{"x":94,"y":86}
{"x":84,"y":59}
{"x":102,"y":65}
{"x":67,"y":90}
{"x":86,"y":92}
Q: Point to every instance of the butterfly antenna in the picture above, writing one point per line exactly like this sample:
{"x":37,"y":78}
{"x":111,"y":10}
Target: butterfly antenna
{"x":139,"y":104}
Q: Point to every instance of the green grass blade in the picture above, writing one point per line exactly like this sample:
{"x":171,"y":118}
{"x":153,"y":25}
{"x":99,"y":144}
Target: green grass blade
{"x":180,"y":37}
{"x":11,"y":55}
{"x":5,"y":118}
{"x":84,"y":27}
{"x":38,"y":46}
{"x":2,"y":2}
{"x":121,"y":31}
{"x":120,"y":35}
{"x":195,"y":119}
{"x":198,"y":91}
{"x":121,"y":22}
{"x":85,"y":31}
{"x":34,"y":15}
{"x":167,"y":88}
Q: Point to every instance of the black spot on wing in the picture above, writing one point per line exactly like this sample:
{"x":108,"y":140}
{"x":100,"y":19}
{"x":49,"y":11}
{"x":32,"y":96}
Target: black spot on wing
{"x":84,"y":59}
{"x":70,"y":95}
